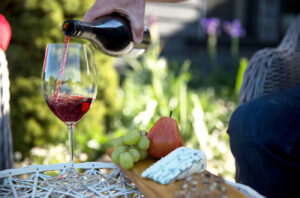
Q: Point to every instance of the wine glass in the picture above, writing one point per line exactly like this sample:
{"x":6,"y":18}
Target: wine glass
{"x":69,"y":86}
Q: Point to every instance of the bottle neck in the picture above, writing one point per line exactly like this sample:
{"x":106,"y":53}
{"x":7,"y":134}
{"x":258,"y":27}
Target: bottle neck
{"x":75,"y":28}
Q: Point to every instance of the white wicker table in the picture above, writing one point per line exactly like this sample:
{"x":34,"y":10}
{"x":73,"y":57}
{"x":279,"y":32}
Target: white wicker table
{"x":29,"y":182}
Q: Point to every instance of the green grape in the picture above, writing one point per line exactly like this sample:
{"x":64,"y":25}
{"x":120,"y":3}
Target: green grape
{"x":115,"y":156}
{"x":143,"y":154}
{"x":131,"y":137}
{"x":126,"y":161}
{"x":118,"y":142}
{"x":134,"y":154}
{"x":144,"y":143}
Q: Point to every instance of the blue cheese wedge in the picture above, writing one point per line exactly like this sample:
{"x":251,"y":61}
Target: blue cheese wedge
{"x":179,"y":164}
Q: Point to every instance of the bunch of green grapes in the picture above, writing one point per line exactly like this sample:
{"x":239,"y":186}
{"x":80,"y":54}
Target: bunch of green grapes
{"x":130,"y":148}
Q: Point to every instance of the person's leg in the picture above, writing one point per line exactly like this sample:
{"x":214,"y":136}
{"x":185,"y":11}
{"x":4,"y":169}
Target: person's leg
{"x":265,"y":141}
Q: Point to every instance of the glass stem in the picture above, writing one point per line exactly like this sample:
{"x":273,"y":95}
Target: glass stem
{"x":71,"y":129}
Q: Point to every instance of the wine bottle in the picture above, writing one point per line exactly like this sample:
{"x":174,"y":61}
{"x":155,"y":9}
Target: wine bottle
{"x":110,"y":34}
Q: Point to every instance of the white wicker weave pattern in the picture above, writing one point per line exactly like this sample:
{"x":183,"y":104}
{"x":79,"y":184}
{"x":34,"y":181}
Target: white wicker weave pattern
{"x":273,"y":69}
{"x":112,"y":182}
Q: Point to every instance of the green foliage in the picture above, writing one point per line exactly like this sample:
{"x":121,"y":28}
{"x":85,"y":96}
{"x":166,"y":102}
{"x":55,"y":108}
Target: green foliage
{"x":34,"y":24}
{"x":240,"y":74}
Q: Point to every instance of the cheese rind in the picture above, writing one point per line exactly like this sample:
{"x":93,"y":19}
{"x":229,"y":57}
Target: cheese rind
{"x":178,"y":164}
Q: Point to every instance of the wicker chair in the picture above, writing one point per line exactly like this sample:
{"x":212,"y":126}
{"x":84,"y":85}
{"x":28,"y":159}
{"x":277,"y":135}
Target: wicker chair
{"x":273,"y":69}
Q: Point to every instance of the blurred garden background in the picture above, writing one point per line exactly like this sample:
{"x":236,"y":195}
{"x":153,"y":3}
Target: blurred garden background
{"x":194,"y":68}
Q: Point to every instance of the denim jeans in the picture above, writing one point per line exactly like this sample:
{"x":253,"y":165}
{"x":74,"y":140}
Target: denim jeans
{"x":265,"y":141}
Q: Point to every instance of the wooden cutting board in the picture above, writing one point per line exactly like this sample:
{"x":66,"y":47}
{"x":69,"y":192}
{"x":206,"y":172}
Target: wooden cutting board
{"x":152,"y":189}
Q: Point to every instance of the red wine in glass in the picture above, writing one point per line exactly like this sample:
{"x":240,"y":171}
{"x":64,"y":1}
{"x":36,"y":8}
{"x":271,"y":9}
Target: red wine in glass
{"x":69,"y":86}
{"x":69,"y":108}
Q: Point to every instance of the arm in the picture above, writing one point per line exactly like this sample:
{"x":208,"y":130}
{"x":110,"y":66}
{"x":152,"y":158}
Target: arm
{"x":134,"y":9}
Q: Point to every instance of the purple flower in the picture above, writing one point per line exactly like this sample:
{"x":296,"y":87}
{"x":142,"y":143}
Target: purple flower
{"x":211,"y":26}
{"x":234,"y":28}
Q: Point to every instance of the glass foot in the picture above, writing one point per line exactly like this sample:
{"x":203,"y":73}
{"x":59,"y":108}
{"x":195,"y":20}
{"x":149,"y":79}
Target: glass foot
{"x":71,"y":179}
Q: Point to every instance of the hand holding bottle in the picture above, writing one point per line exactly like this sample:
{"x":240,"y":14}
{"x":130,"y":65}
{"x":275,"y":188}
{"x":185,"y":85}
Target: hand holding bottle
{"x":133,"y":9}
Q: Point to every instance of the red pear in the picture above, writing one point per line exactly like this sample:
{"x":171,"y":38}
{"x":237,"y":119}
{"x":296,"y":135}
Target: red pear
{"x":164,"y":137}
